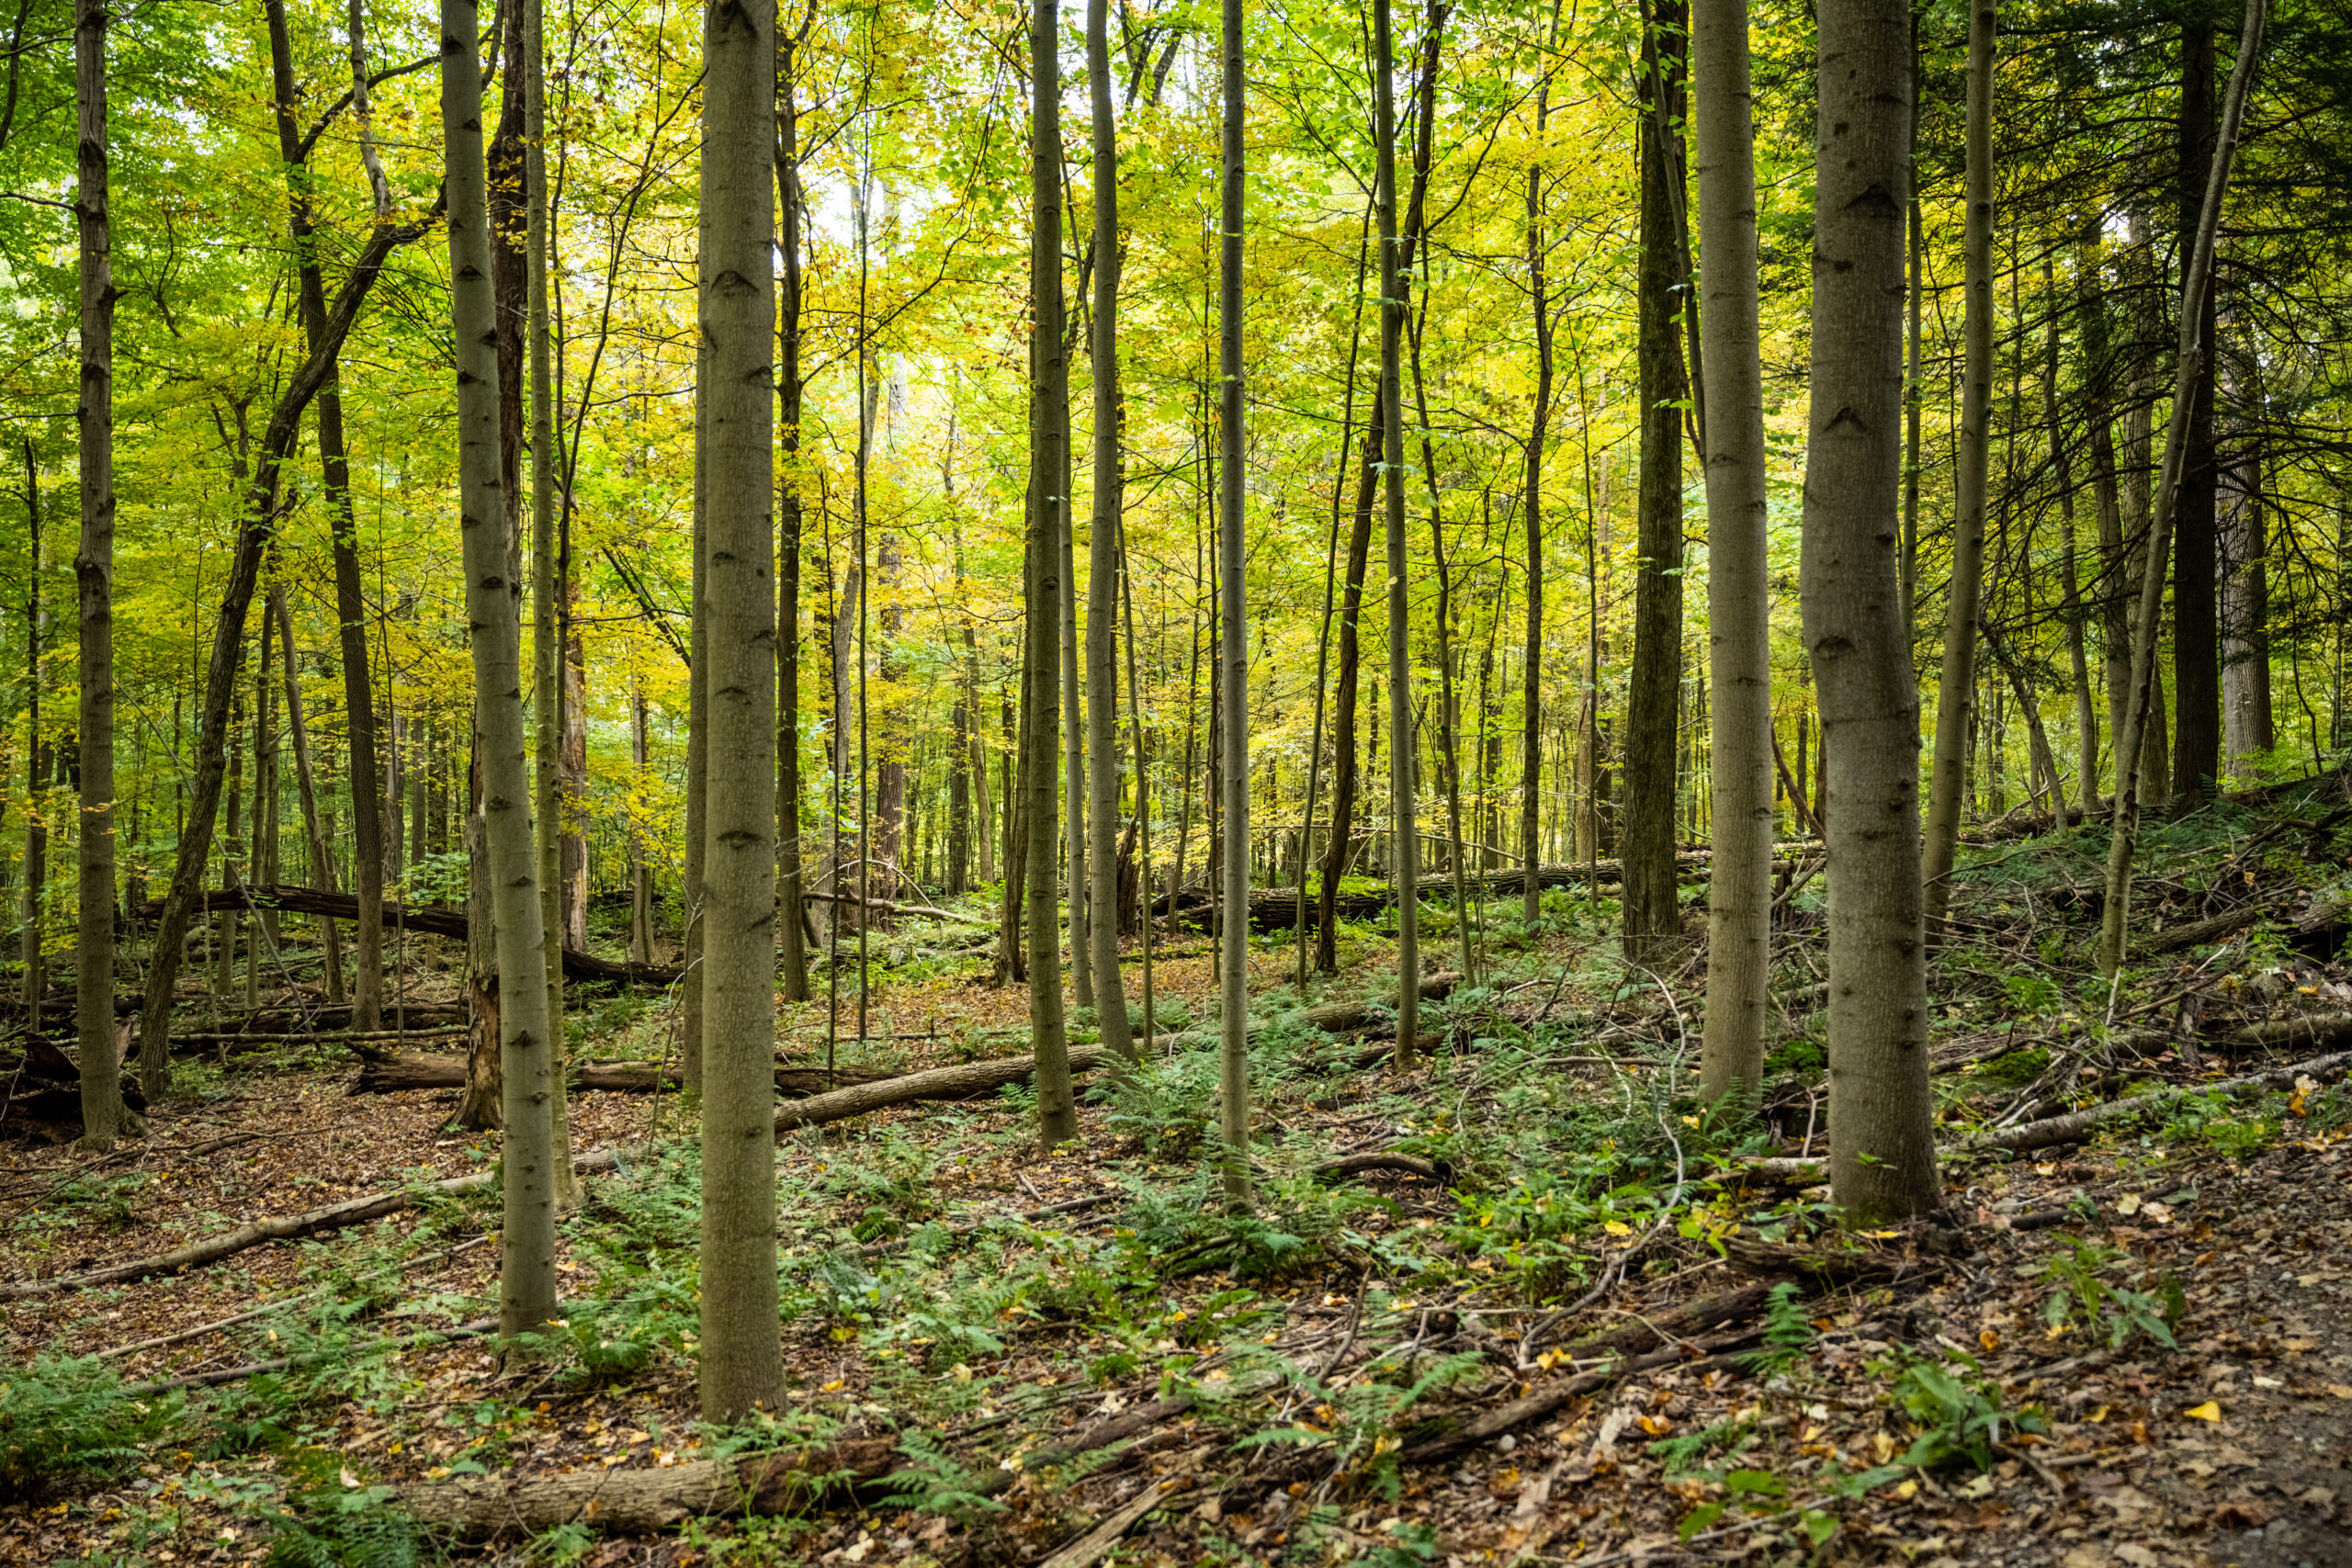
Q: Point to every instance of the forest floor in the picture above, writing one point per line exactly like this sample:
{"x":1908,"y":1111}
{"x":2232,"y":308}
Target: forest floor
{"x":1525,"y":1304}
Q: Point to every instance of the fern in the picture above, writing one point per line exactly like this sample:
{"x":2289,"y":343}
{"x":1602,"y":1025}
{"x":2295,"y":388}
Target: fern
{"x":1788,"y":1335}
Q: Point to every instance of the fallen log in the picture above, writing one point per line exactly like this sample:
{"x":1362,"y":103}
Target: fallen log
{"x":285,"y":899}
{"x":407,"y":1070}
{"x":2055,"y":1129}
{"x":964,"y":1081}
{"x":640,"y":1501}
{"x":1275,"y":908}
{"x":2051,"y":1131}
{"x":2172,"y":939}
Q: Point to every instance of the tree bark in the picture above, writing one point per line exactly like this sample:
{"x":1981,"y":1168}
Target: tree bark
{"x":1103,"y":558}
{"x":2248,"y":726}
{"x":1233,"y":975}
{"x":1739,"y":906}
{"x":103,"y":1116}
{"x":1392,"y":307}
{"x":1532,"y":663}
{"x":1653,"y":917}
{"x":314,"y":832}
{"x":527,"y":1272}
{"x":1049,"y":498}
{"x":2071,"y":608}
{"x":793,"y":954}
{"x":742,"y":1365}
{"x":1964,"y":591}
{"x":1881,"y":1137}
{"x":2196,"y":557}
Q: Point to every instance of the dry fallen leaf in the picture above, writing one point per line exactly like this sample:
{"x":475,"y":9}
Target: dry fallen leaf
{"x":2209,"y":1411}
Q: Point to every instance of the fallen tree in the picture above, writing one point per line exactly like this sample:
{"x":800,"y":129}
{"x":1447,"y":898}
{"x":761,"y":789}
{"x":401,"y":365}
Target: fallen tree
{"x":284,"y":899}
{"x":401,"y":1071}
{"x":2049,"y":1132}
{"x":1277,"y":909}
{"x":964,"y":1081}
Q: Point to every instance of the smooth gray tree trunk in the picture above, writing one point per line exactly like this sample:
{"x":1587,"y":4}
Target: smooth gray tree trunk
{"x":493,"y":612}
{"x":1739,"y":909}
{"x":743,"y":1363}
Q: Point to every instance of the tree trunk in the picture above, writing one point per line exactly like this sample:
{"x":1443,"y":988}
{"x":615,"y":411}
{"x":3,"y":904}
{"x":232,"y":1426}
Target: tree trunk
{"x":334,"y":473}
{"x":1881,"y":1128}
{"x":314,"y":834}
{"x":39,"y":771}
{"x":1049,"y":498}
{"x":103,"y":1116}
{"x":792,"y":952}
{"x":1532,"y":664}
{"x":2071,"y":606}
{"x":1653,"y":919}
{"x":1233,"y":997}
{"x":1739,"y":899}
{"x":641,"y":918}
{"x":1962,"y":595}
{"x":742,"y":1365}
{"x":1103,"y":558}
{"x":2195,"y":621}
{"x":526,"y":1273}
{"x":2248,"y":728}
{"x":2171,"y":488}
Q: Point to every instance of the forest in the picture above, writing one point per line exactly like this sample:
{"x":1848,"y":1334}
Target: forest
{"x":976,"y":783}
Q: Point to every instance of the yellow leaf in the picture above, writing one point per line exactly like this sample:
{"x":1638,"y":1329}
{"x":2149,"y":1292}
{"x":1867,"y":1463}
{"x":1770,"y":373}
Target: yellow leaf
{"x":2209,"y":1411}
{"x":830,"y":1387}
{"x":1617,"y":1227}
{"x":1908,"y":1490}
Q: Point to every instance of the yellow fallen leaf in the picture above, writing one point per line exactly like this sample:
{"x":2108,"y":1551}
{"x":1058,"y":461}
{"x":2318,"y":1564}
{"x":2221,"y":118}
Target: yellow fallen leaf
{"x":1617,"y":1227}
{"x":2209,"y":1411}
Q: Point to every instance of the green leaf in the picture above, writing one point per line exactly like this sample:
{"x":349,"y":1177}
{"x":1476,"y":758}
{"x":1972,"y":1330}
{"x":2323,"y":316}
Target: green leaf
{"x":1700,"y":1518}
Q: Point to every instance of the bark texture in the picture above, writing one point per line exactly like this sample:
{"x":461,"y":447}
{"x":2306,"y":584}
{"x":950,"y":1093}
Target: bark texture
{"x":1739,"y":906}
{"x":1882,"y":1138}
{"x":742,"y":1361}
{"x":494,"y":612}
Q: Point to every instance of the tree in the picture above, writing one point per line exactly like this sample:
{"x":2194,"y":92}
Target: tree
{"x":102,"y":1110}
{"x":1652,"y":917}
{"x":549,"y":685}
{"x":791,"y":390}
{"x":1233,"y":1001}
{"x":1042,"y":566}
{"x":1103,"y":556}
{"x":1531,"y":731}
{"x":2190,"y":365}
{"x":743,"y":1363}
{"x":350,"y":592}
{"x":1955,"y":702}
{"x":1403,"y":819}
{"x":259,"y":505}
{"x":2196,"y":552}
{"x":1739,"y":596}
{"x":494,"y":611}
{"x":1882,"y":1137}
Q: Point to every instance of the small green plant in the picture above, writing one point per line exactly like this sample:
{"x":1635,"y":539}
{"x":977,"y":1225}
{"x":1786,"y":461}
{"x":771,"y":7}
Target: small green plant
{"x":1788,"y":1334}
{"x":1957,"y":1415}
{"x":65,"y":1416}
{"x":333,"y":1519}
{"x":2085,"y":1298}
